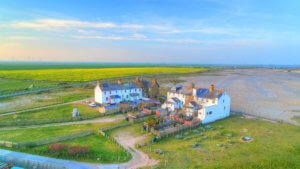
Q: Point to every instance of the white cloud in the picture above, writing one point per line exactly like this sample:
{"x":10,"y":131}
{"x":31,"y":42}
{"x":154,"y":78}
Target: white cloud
{"x":180,"y":33}
{"x":139,"y":36}
{"x":63,"y":24}
{"x":204,"y":30}
{"x":50,"y":24}
{"x":22,"y":38}
{"x":102,"y":37}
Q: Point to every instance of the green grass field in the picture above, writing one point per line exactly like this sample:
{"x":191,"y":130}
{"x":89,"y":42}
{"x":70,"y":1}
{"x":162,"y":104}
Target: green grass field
{"x":275,"y":146}
{"x":58,"y":112}
{"x":81,"y":75}
{"x":101,"y":150}
{"x":43,"y":99}
{"x":33,"y":134}
{"x":8,"y":86}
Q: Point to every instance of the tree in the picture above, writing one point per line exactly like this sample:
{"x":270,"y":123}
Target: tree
{"x":151,"y":121}
{"x":161,"y":100}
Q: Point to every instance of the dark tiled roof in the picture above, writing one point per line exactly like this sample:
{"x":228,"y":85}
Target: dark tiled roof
{"x":194,"y":104}
{"x":175,"y":99}
{"x":204,"y":93}
{"x":116,"y":86}
{"x":182,"y":90}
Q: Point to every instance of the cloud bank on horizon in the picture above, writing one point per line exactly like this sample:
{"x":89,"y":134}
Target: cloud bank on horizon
{"x":151,"y":31}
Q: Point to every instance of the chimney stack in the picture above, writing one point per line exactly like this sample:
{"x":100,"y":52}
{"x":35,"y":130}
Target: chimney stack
{"x":211,"y":88}
{"x":119,"y":82}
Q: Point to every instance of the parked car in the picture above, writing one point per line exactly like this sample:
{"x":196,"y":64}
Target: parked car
{"x":93,"y":104}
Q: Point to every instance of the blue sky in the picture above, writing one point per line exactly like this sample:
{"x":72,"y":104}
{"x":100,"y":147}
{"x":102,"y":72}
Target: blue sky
{"x":151,"y":31}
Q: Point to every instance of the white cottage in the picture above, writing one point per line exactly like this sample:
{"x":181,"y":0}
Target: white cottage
{"x":117,"y":92}
{"x":207,"y":104}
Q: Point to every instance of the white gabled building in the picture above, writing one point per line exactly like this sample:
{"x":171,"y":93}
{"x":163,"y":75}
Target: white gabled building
{"x":207,"y":104}
{"x":117,"y":92}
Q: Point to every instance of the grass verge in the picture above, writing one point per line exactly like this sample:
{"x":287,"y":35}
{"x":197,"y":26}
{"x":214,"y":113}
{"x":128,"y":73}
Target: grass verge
{"x":274,"y":146}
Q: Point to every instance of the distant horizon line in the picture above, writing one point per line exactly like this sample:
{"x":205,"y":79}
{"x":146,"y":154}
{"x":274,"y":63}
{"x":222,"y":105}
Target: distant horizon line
{"x":151,"y":64}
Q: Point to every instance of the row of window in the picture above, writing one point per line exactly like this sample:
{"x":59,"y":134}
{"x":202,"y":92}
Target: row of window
{"x":127,"y":96}
{"x":132,"y":90}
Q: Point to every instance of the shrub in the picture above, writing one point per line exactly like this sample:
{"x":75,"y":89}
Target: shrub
{"x":30,"y":144}
{"x":78,"y":150}
{"x":57,"y":147}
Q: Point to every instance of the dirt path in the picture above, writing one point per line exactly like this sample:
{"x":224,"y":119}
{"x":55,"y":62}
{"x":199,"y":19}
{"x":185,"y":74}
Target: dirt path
{"x":98,"y":120}
{"x":139,"y":158}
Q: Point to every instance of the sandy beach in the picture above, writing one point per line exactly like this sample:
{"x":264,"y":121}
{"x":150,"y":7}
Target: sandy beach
{"x":267,"y":93}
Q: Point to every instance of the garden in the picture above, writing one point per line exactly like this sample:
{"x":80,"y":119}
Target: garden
{"x":81,"y":142}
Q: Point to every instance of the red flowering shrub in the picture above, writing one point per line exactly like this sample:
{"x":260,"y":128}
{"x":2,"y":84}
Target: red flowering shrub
{"x":78,"y":150}
{"x":57,"y":147}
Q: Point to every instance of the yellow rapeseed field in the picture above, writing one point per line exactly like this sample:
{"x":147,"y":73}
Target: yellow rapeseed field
{"x":82,"y":75}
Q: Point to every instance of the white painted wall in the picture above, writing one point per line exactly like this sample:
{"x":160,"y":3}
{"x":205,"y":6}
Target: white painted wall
{"x":215,"y":112}
{"x":100,"y":96}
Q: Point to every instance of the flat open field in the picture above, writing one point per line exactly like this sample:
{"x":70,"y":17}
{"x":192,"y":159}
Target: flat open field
{"x":32,"y":134}
{"x":83,"y":75}
{"x":272,"y":94}
{"x":274,"y":145}
{"x":56,"y":112}
{"x":8,"y":86}
{"x":101,"y":149}
{"x":52,"y":97}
